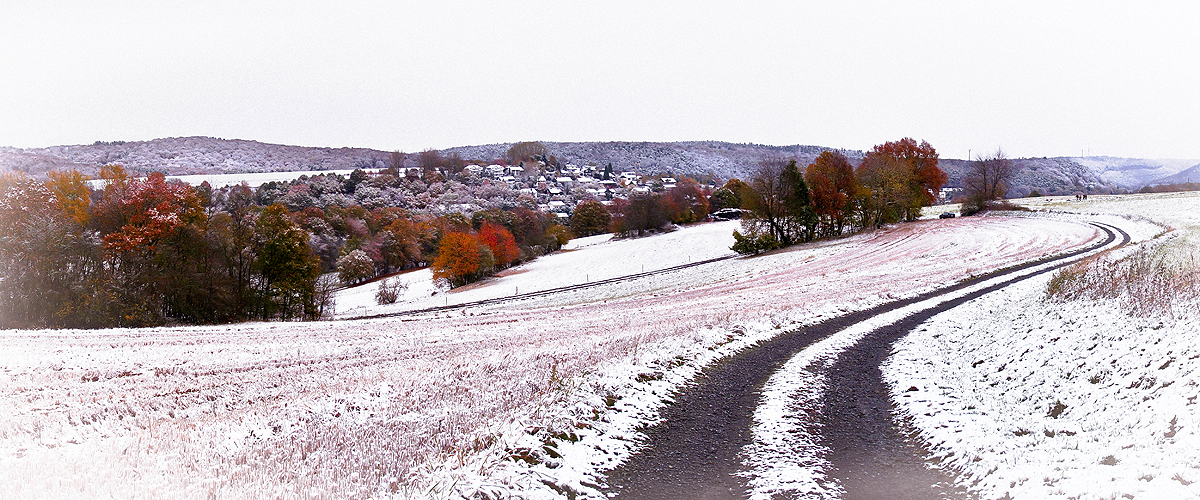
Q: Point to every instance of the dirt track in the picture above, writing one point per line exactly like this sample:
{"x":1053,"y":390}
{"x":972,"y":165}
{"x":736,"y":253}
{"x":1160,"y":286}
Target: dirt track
{"x":695,"y":452}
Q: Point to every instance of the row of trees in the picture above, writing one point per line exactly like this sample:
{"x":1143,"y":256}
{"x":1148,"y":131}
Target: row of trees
{"x":644,"y":212}
{"x":144,"y":251}
{"x":147,"y":251}
{"x":465,"y":255}
{"x":784,"y":206}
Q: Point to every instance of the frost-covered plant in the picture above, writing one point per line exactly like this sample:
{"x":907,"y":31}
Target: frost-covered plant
{"x":390,"y":291}
{"x":1149,"y":282}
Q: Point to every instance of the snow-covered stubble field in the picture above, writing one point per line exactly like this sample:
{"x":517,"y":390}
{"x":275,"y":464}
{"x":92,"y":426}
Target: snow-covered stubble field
{"x":453,"y":403}
{"x":1089,"y":399}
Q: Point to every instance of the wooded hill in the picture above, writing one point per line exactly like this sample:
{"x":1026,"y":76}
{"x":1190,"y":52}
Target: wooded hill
{"x":697,"y":159}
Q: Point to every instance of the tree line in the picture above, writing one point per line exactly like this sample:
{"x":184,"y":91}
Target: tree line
{"x":783,"y":205}
{"x":645,"y":211}
{"x":148,"y":251}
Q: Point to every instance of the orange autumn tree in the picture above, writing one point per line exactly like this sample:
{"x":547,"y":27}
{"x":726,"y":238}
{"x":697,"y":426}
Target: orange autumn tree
{"x":72,"y":194}
{"x":501,"y":242}
{"x":461,"y":259}
{"x":148,"y":211}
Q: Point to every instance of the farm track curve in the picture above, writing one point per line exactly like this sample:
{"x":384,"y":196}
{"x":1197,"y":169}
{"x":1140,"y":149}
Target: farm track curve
{"x":695,"y":450}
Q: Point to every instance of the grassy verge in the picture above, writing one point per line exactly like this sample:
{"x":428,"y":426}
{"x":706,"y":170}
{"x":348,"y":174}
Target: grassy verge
{"x":1155,"y":280}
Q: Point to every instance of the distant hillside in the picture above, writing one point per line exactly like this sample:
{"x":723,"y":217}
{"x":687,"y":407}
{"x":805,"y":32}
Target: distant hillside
{"x":1091,"y":174}
{"x":1190,"y":175}
{"x":695,"y":159}
{"x":206,"y":155}
{"x":1133,"y":173}
{"x":1049,"y":176}
{"x":186,"y":155}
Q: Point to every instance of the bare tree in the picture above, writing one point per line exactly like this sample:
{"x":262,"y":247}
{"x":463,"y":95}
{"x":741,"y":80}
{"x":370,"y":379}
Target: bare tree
{"x":986,"y":181}
{"x":430,"y":161}
{"x":396,"y":163}
{"x":779,"y":203}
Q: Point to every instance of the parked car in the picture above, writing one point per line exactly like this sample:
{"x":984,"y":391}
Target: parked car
{"x":946,"y":215}
{"x":726,"y":214}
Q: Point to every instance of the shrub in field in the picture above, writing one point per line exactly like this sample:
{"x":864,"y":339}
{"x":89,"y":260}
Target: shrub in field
{"x":753,"y":244}
{"x":389,"y":291}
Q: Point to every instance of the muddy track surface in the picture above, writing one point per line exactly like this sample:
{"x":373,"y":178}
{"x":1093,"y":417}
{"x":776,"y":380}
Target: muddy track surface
{"x":695,"y":452}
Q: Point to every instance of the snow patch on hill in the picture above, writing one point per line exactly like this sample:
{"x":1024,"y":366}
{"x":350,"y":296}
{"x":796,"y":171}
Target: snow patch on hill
{"x":604,"y":258}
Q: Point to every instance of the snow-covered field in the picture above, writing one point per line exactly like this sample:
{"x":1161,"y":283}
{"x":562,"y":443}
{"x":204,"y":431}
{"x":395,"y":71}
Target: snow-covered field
{"x":1033,"y":398}
{"x":537,"y":396}
{"x":583,"y":260}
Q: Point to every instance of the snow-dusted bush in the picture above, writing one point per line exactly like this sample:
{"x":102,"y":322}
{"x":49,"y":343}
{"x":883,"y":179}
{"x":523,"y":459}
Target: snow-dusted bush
{"x":390,"y":291}
{"x":371,"y":197}
{"x":334,"y":200}
{"x":355,"y":266}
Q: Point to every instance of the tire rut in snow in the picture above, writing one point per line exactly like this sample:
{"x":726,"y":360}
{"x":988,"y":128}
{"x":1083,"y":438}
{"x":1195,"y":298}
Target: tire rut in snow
{"x":695,"y":450}
{"x":872,"y":456}
{"x":694,"y":453}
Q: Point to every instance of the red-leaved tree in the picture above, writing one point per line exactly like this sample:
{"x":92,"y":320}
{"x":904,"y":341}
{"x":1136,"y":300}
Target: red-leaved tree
{"x":501,"y":242}
{"x":904,"y":177}
{"x":833,"y":185}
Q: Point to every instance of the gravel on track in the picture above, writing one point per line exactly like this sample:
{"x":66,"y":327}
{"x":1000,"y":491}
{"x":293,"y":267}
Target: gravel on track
{"x":694,"y":452}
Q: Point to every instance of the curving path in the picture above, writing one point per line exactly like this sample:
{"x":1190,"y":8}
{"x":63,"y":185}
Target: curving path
{"x":695,"y":452}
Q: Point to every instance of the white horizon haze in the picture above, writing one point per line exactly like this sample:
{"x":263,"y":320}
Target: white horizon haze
{"x":1033,"y":78}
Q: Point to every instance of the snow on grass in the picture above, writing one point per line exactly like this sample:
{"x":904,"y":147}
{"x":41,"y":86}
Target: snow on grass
{"x":1033,"y":398}
{"x":535,"y":398}
{"x":1035,"y":401}
{"x":786,"y":457}
{"x":583,"y":260}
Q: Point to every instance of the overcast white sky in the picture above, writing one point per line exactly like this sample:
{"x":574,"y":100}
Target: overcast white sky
{"x":1038,"y":78}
